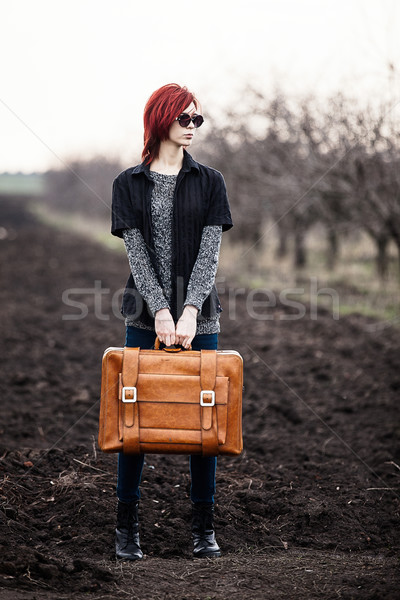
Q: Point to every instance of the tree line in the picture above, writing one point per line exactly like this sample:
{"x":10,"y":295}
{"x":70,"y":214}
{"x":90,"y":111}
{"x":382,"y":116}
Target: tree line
{"x":290,"y":165}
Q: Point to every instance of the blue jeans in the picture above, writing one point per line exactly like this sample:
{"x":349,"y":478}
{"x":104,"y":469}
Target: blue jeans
{"x":130,"y":466}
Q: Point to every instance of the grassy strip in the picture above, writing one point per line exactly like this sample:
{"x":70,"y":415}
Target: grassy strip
{"x":353,"y":284}
{"x":89,"y":227}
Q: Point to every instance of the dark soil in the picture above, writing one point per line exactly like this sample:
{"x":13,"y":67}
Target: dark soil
{"x":310,"y":509}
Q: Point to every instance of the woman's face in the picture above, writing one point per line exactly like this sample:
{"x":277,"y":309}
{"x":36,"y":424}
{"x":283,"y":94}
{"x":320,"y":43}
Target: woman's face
{"x":183,"y":136}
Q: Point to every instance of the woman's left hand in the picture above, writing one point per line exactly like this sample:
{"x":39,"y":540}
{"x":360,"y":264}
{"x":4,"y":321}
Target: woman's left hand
{"x":186,"y":326}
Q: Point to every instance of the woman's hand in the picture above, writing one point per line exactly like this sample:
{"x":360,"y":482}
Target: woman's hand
{"x":165,"y":327}
{"x":186,"y":326}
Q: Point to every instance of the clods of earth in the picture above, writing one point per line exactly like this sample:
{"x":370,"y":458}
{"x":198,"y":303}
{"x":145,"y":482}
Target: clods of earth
{"x":309,"y":510}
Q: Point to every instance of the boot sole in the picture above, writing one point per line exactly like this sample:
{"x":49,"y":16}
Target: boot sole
{"x":216,"y":554}
{"x":128,"y":557}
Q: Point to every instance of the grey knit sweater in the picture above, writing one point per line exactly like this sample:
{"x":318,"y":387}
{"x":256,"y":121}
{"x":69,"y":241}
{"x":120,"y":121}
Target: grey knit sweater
{"x":203,"y":274}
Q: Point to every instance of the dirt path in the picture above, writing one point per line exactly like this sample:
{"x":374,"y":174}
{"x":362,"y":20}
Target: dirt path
{"x":311,"y":508}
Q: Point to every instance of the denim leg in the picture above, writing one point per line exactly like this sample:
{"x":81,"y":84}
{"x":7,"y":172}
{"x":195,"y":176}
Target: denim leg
{"x":136,"y":337}
{"x":130,"y":466}
{"x":202,"y":473}
{"x":203,"y":468}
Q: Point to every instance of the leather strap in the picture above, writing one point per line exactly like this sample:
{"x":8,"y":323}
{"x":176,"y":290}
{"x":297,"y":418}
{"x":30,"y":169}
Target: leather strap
{"x":130,"y":370}
{"x":208,"y":375}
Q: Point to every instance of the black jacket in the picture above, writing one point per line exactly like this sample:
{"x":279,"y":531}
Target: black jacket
{"x":200,"y":199}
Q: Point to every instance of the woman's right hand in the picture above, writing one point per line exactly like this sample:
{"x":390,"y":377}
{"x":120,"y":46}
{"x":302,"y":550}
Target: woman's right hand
{"x":165,"y":326}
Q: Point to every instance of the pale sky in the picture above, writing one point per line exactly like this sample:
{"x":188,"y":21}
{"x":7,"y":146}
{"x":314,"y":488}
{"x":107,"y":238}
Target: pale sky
{"x":75,"y":74}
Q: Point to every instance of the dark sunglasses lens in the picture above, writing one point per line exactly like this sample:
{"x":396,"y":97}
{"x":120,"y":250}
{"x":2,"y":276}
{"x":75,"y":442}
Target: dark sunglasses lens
{"x":184,"y":120}
{"x":198,"y":120}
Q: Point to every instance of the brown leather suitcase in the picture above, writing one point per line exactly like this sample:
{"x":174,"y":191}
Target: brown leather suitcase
{"x":163,"y":402}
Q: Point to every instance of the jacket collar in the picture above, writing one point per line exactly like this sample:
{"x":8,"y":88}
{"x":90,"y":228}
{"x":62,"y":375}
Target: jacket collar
{"x":188,"y":164}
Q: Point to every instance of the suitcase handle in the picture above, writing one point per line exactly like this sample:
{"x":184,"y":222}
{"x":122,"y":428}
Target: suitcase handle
{"x":168,"y":348}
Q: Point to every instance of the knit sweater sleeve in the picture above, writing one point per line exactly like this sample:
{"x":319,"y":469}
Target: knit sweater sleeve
{"x":205,"y":268}
{"x":142,"y":270}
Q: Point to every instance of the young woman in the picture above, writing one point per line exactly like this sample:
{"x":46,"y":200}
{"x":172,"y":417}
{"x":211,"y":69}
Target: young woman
{"x":171,"y":212}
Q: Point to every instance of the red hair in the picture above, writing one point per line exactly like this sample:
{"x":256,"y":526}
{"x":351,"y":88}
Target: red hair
{"x":162,"y":108}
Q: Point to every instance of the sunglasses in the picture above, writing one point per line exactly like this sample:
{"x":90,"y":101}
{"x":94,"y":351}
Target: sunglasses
{"x":184,"y":120}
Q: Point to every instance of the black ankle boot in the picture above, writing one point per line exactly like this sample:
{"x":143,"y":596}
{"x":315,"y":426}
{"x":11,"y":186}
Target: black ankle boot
{"x":203,"y":534}
{"x":127,"y":545}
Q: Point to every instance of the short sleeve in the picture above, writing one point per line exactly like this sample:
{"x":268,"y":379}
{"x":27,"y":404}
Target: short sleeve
{"x":122,"y":212}
{"x":219,"y":212}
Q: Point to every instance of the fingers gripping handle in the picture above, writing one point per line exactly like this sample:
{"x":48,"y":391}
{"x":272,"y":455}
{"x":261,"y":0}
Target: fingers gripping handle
{"x":168,"y":348}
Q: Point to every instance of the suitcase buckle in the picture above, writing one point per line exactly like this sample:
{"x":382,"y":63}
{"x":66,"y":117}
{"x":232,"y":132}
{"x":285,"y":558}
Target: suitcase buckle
{"x":131,"y":389}
{"x":202,"y":403}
